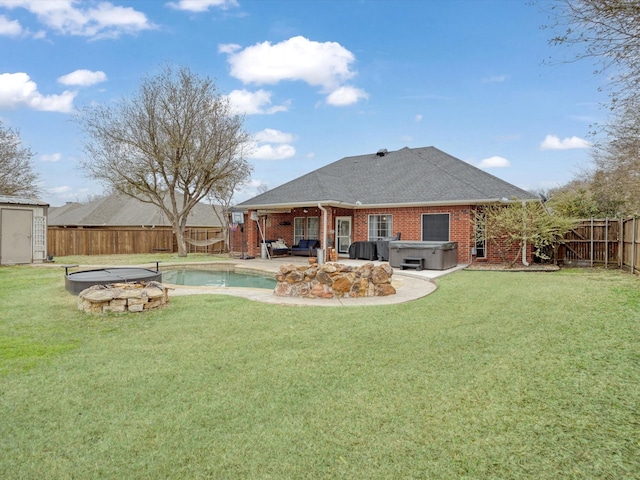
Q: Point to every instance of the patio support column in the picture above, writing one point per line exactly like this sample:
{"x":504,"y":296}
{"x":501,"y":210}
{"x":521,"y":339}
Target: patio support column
{"x":251,"y":235}
{"x":325,"y":222}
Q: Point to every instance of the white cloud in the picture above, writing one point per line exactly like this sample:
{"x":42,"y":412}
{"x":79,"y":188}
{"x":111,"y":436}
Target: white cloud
{"x":229,"y":48}
{"x":72,"y":17}
{"x":553,"y":142}
{"x":495,"y":79}
{"x":326,"y":65}
{"x":252,"y":103}
{"x":9,"y":28}
{"x":17,"y":89}
{"x":53,"y":157}
{"x":263,"y":148}
{"x":59,"y":190}
{"x":418,"y":118}
{"x":202,"y":5}
{"x":346,"y":96}
{"x":270,"y":135}
{"x":494,"y":162}
{"x":83,"y":78}
{"x":271,"y":152}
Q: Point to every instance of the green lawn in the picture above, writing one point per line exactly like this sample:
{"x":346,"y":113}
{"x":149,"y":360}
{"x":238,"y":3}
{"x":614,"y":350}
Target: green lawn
{"x":495,"y":375}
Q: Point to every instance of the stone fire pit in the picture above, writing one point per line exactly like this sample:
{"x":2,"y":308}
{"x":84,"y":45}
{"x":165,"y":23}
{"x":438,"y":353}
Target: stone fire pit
{"x":334,"y":280}
{"x":123,"y":297}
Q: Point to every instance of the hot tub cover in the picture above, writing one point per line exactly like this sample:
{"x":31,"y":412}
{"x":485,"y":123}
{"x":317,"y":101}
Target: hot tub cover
{"x":419,"y":244}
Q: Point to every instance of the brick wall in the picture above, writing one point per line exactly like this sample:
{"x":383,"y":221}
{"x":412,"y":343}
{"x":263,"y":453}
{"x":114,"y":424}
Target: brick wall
{"x":407,"y":220}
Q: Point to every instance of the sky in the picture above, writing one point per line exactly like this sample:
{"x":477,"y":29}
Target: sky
{"x":317,"y":80}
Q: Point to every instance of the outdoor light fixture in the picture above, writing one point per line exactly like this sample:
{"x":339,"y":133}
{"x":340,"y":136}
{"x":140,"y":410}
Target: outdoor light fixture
{"x":304,"y":210}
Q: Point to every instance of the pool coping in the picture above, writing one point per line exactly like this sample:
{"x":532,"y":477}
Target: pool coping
{"x":408,"y":287}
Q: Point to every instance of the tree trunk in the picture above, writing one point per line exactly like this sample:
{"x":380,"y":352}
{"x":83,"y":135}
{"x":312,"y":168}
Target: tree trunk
{"x":182,"y":244}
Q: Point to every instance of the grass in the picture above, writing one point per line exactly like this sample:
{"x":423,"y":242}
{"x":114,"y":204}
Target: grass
{"x":495,"y":375}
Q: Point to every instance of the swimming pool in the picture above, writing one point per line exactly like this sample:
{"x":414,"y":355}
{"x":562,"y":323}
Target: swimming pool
{"x":216,"y":278}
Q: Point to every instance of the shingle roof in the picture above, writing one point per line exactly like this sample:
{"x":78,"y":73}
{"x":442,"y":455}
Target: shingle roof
{"x":122,"y":210}
{"x":409,"y":176}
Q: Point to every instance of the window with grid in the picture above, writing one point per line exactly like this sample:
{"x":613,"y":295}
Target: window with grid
{"x":313,"y":228}
{"x":380,"y":226}
{"x":298,"y":230}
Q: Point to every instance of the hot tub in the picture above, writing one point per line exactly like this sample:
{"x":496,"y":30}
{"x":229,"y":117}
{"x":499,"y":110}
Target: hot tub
{"x":423,"y":255}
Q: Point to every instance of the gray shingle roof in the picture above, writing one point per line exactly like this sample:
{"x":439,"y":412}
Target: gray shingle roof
{"x":122,"y":210}
{"x":409,"y":176}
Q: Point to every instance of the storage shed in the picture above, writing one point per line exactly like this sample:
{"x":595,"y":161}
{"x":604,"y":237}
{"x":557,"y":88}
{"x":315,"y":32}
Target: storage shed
{"x":23,"y":230}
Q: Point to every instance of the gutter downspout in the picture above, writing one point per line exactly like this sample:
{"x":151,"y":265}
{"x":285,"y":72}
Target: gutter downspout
{"x":324,"y":230}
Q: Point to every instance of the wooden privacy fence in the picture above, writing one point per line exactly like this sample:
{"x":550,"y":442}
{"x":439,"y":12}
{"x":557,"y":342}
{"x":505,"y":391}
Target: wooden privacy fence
{"x":64,"y":241}
{"x":603,"y":242}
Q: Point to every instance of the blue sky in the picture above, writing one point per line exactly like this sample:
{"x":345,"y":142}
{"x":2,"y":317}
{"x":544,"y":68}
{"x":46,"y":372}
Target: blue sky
{"x":318,"y":80}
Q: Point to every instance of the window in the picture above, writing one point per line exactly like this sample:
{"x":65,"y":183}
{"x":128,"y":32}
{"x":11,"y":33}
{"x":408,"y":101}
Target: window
{"x":435,"y":227}
{"x":298,"y":230}
{"x":380,"y":226}
{"x":481,"y":242}
{"x":305,"y":227}
{"x":313,"y":227}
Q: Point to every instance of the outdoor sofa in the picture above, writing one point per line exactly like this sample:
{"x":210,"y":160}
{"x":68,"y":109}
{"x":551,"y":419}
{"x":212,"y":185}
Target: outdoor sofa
{"x":277,"y":247}
{"x":306,"y":248}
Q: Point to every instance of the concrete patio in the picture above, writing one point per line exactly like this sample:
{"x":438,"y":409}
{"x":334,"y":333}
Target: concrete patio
{"x":409,"y":284}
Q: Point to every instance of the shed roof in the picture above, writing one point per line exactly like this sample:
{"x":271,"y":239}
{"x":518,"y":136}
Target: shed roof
{"x":122,"y":210}
{"x":409,"y":176}
{"x":13,"y":200}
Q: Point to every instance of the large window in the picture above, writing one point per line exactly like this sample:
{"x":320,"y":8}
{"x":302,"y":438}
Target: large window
{"x":435,"y":227}
{"x":305,"y":227}
{"x":380,"y":226}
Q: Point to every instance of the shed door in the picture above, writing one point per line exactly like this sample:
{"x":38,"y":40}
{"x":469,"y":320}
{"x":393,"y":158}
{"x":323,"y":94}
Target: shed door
{"x":15,"y":231}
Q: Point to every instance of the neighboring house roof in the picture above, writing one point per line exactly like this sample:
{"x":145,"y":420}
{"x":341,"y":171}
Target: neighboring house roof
{"x":409,"y":176}
{"x":10,"y":199}
{"x":122,"y":210}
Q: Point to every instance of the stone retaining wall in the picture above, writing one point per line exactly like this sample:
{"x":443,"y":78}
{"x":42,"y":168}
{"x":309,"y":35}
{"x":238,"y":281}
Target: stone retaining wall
{"x":334,"y":280}
{"x":123,"y":297}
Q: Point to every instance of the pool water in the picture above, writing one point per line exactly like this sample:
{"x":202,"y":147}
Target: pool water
{"x":216,"y":278}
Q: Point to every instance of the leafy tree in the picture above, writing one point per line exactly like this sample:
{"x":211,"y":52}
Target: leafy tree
{"x":509,"y":228}
{"x":579,"y":199}
{"x":173,"y":143}
{"x":16,"y":171}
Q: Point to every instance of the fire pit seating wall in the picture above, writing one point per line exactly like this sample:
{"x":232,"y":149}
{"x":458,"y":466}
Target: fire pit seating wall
{"x":306,"y":248}
{"x":334,"y":280}
{"x":123,"y":297}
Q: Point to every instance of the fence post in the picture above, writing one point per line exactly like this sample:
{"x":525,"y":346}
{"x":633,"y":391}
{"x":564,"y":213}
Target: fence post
{"x":620,"y":242}
{"x":591,"y":245}
{"x":633,"y":246}
{"x":606,"y":242}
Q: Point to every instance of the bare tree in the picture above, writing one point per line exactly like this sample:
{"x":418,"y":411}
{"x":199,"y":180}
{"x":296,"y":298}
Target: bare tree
{"x":170,"y":145}
{"x":608,"y":32}
{"x":222,"y":196}
{"x":16,"y":170}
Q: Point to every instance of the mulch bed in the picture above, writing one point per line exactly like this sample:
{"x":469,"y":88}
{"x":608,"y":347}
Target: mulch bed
{"x":534,"y":267}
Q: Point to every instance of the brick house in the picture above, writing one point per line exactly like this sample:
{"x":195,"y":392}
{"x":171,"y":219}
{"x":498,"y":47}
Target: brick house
{"x":423,"y":193}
